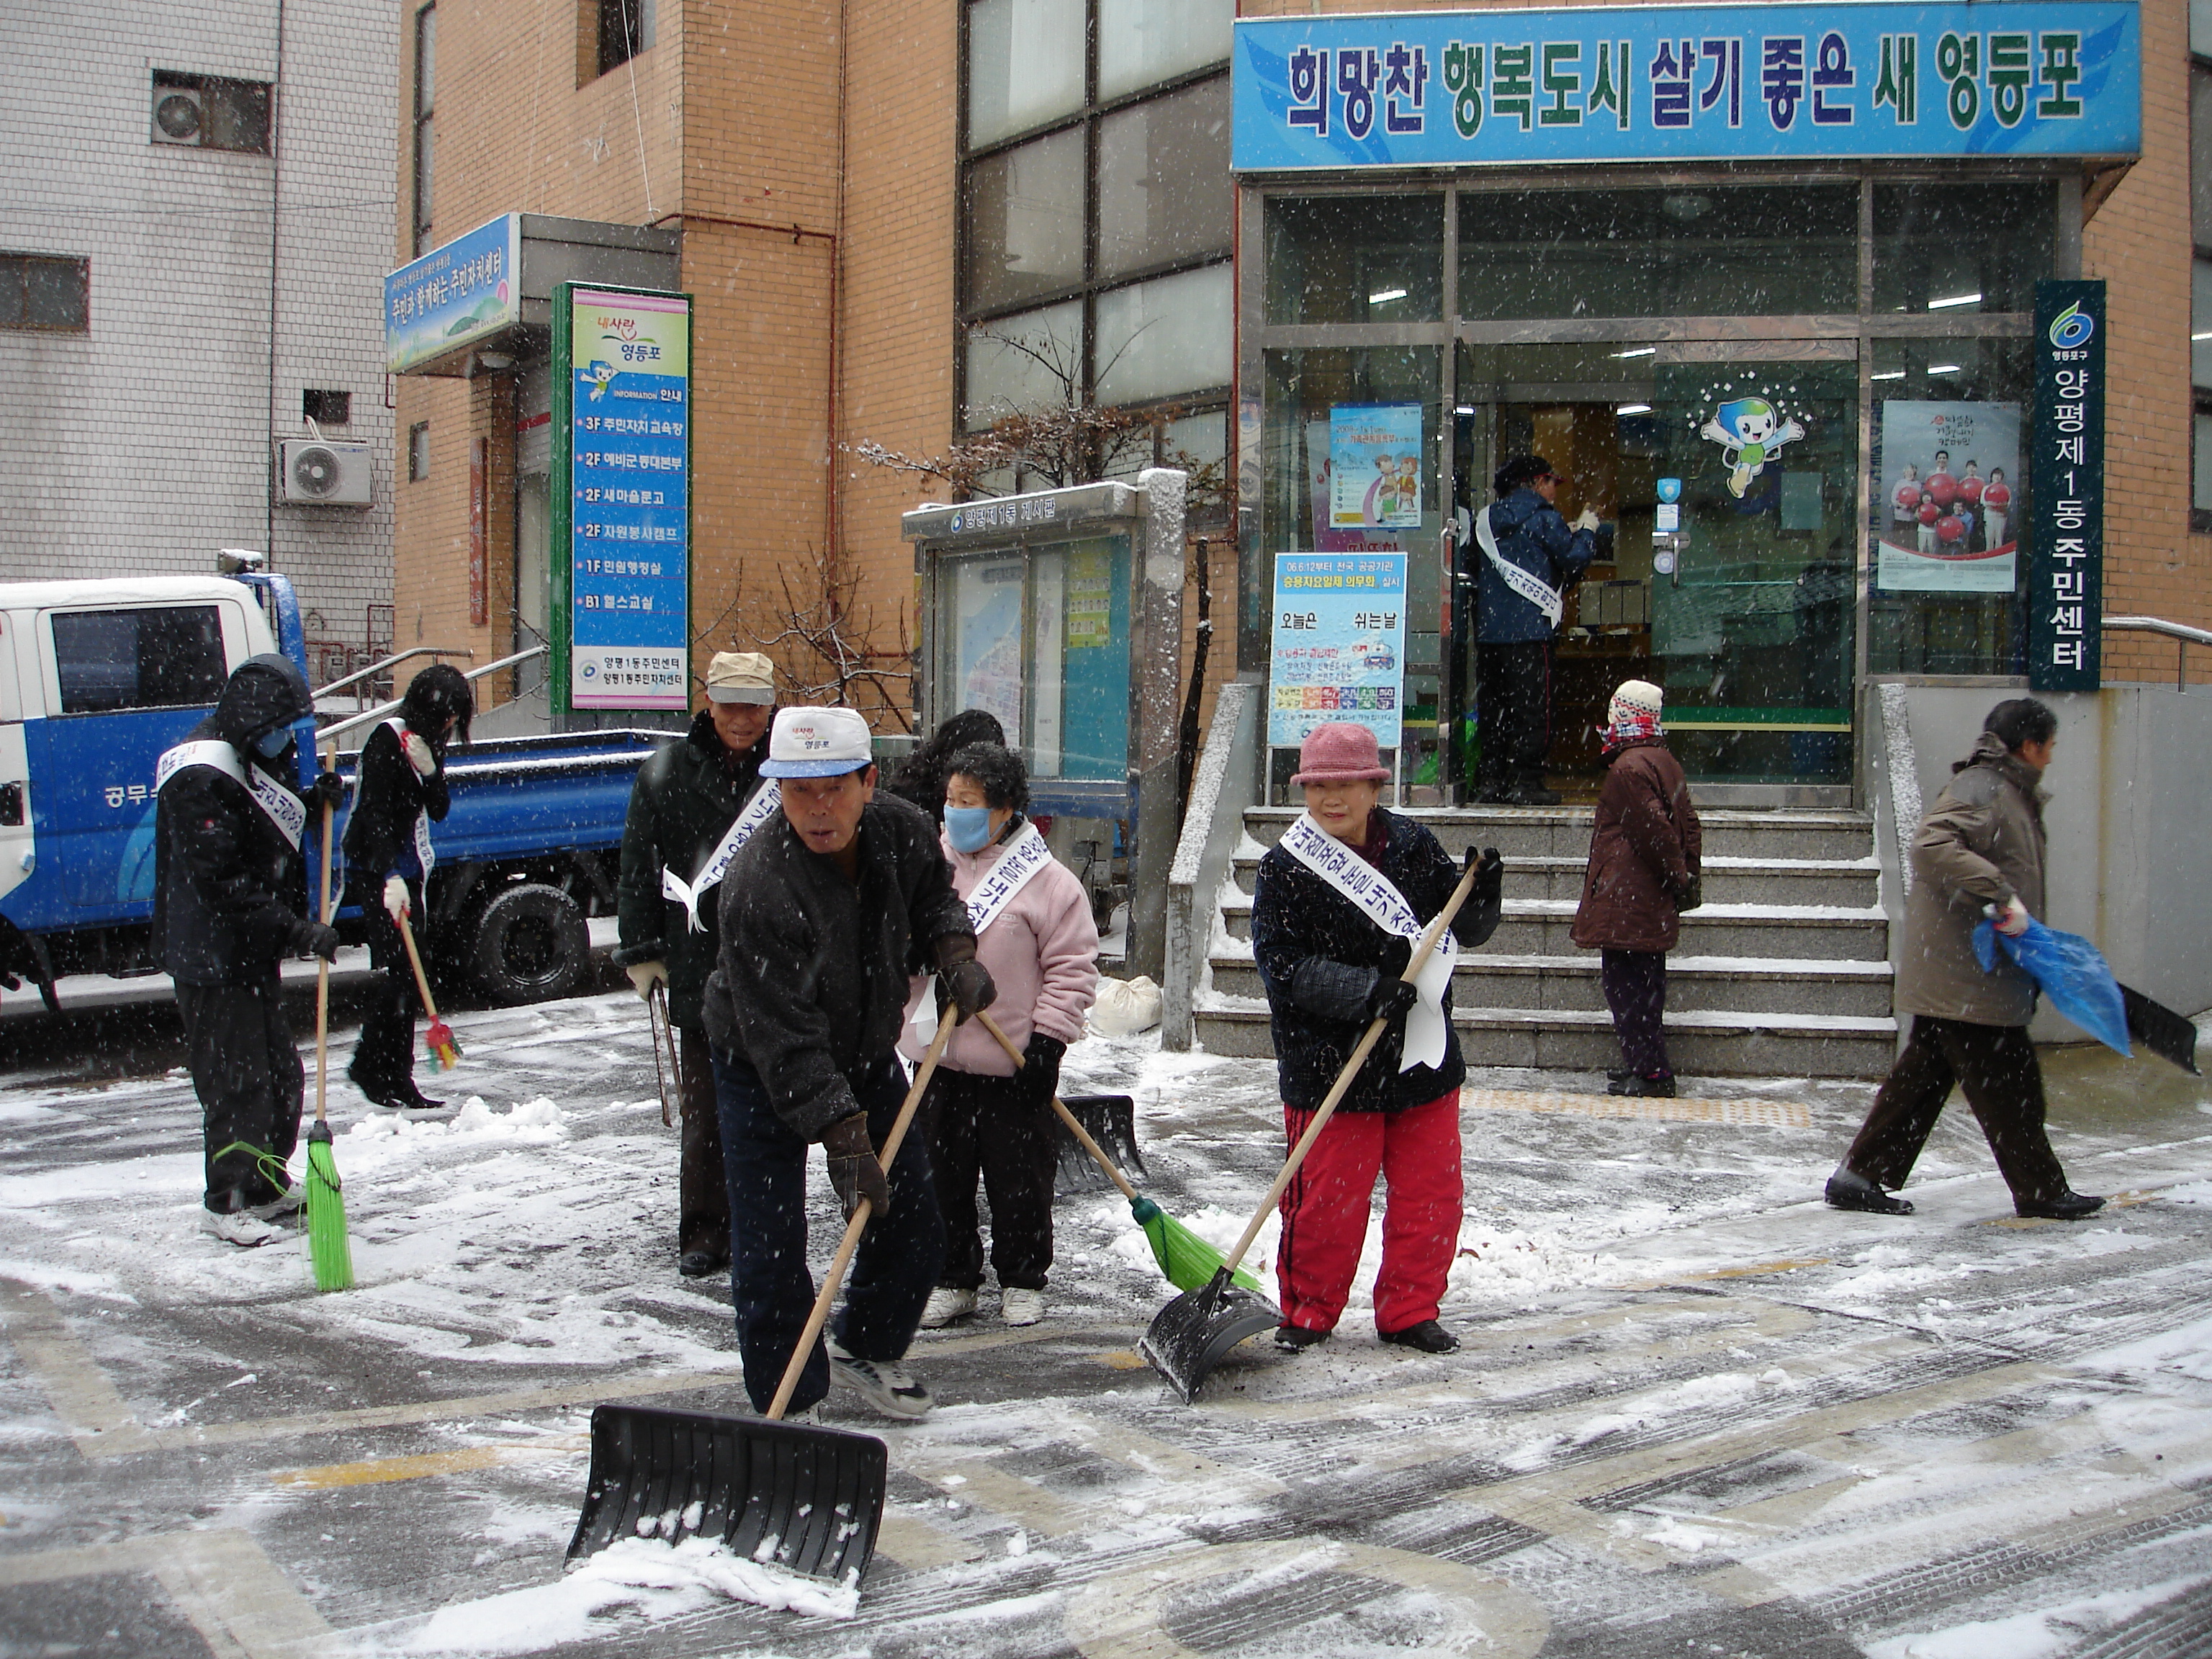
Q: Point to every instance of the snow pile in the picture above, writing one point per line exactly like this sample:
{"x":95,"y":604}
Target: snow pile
{"x":536,"y":1122}
{"x":650,"y":1580}
{"x":2041,"y":1635}
{"x":1505,"y":1264}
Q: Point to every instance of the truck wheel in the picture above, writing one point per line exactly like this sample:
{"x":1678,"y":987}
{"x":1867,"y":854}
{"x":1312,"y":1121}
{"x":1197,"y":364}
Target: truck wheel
{"x":530,"y":945}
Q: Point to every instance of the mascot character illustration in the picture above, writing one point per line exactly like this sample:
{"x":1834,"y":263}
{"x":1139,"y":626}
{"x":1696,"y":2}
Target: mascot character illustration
{"x":1751,"y":433}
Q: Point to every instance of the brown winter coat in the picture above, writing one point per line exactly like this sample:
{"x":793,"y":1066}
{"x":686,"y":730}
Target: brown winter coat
{"x":1980,"y":844}
{"x":1644,"y":853}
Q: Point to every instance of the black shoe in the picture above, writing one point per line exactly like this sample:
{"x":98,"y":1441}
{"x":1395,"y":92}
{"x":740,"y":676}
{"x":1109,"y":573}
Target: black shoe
{"x":702,"y":1264}
{"x":1652,"y":1088}
{"x":408,"y":1098}
{"x":1296,"y":1338}
{"x":2069,"y":1206}
{"x":1618,"y":1074}
{"x":1849,"y":1191}
{"x":1428,"y":1336}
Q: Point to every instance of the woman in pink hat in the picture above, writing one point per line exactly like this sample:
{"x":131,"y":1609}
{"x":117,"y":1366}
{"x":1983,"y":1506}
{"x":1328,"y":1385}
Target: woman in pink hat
{"x":1340,"y":903}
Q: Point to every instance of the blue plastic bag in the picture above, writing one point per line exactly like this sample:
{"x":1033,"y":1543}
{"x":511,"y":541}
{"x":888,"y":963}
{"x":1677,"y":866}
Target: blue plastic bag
{"x":2070,"y":970}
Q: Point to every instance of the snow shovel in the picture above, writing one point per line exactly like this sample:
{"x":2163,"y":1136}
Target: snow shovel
{"x":438,"y":1039}
{"x":1188,"y":1337}
{"x":795,"y":1496}
{"x":1110,"y":1120}
{"x":1188,"y":1260}
{"x":2159,"y":1029}
{"x":664,"y":1049}
{"x":328,"y":1252}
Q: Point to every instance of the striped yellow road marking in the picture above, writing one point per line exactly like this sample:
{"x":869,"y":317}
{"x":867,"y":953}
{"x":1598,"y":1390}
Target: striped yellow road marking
{"x":1772,"y":1113}
{"x":379,"y":1470}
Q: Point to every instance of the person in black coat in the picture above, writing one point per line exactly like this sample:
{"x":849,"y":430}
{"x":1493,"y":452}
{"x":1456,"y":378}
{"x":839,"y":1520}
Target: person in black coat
{"x":687,"y":798}
{"x":920,"y":777}
{"x":230,"y":902}
{"x":1330,"y":968}
{"x":399,"y":790}
{"x":824,"y":915}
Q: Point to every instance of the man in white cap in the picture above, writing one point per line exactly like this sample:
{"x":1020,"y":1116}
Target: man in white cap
{"x":823,"y":915}
{"x":695,"y":805}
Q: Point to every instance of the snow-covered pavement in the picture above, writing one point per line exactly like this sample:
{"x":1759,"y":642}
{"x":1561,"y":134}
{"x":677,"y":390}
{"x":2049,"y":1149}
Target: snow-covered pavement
{"x":1696,"y":1412}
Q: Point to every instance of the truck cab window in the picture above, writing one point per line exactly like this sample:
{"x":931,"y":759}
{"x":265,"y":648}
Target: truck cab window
{"x":149,"y":658}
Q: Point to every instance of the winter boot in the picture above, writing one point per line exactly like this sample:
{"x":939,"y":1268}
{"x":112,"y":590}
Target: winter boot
{"x":946,"y":1305}
{"x":1296,"y":1339}
{"x":893,"y":1392}
{"x":1428,"y":1337}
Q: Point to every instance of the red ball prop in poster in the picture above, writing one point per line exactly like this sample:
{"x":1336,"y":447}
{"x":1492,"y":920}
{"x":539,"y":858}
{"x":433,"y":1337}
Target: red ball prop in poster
{"x":1942,"y":489}
{"x":1951,"y":528}
{"x":1930,"y":512}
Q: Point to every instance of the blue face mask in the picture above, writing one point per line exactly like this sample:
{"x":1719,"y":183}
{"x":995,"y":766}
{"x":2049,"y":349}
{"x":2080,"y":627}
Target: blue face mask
{"x":273,"y":744}
{"x":967,"y":827}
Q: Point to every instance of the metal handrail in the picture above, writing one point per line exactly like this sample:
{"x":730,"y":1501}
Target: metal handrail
{"x":2183,"y":635}
{"x":376,"y":668}
{"x":377,"y":714}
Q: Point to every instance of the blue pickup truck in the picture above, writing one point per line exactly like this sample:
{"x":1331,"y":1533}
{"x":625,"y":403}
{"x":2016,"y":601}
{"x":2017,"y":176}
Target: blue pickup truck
{"x":98,"y":676}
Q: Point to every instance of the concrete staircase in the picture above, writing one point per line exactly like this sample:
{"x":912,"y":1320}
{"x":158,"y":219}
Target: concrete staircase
{"x":1783,"y":972}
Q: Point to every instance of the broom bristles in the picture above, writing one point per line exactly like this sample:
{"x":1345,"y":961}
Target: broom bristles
{"x":1188,"y":1260}
{"x":443,"y":1047}
{"x":326,"y":1226}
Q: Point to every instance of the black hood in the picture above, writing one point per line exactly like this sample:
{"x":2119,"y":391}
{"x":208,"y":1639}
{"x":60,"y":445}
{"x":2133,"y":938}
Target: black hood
{"x":266,"y":692}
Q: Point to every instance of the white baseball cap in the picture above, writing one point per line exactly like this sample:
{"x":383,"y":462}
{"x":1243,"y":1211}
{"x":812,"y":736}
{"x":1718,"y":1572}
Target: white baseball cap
{"x":817,"y":743}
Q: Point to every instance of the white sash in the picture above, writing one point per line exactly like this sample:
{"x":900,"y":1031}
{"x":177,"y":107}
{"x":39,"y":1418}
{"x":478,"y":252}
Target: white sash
{"x":762,"y":807}
{"x":1529,"y":586}
{"x":278,"y":804}
{"x":423,"y":854}
{"x":1374,"y":892}
{"x":1024,"y":856}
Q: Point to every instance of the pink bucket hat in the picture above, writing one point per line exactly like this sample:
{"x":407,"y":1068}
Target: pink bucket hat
{"x":1340,"y":752}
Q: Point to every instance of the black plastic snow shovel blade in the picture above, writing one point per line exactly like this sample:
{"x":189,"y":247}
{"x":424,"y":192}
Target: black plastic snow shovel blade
{"x":2159,"y":1029}
{"x":804,"y":1498}
{"x":1188,"y":1337}
{"x":1109,"y":1119}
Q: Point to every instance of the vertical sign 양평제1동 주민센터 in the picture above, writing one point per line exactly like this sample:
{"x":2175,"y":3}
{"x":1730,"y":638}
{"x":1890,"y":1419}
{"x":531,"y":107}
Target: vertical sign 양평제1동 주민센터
{"x":1340,"y":645}
{"x":2066,"y":504}
{"x":622,"y":486}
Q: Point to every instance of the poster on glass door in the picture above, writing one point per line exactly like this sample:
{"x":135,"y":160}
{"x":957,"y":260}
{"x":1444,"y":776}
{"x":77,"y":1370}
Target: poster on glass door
{"x":1375,"y":466}
{"x":1950,"y":512}
{"x":1340,"y":645}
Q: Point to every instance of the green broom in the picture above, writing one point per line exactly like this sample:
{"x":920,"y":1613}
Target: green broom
{"x":326,"y":1227}
{"x":1188,"y":1260}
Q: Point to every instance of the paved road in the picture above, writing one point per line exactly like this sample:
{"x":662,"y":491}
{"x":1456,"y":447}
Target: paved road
{"x":1696,"y":1413}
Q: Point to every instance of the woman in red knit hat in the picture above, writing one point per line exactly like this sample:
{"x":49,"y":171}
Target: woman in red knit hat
{"x":1340,"y":903}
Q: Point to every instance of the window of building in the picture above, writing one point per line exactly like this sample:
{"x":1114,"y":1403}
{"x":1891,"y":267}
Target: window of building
{"x":618,"y":31}
{"x":42,"y":292}
{"x":326,"y":408}
{"x":1096,"y":204}
{"x":426,"y":87}
{"x":418,"y":451}
{"x":2200,"y":219}
{"x":157,"y":659}
{"x":210,"y":112}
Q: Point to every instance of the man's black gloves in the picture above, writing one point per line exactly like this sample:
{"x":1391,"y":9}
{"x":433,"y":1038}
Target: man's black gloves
{"x":327,"y":790}
{"x":967,"y":982}
{"x":1478,"y":918}
{"x":1391,"y":997}
{"x":313,"y":938}
{"x":853,"y":1170}
{"x":1039,"y":1078}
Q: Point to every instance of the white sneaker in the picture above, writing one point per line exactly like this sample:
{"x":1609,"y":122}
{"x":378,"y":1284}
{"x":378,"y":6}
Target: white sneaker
{"x":892,"y":1391}
{"x":946,"y":1305}
{"x":287,"y":1202}
{"x":1021,"y":1307}
{"x":242,"y":1228}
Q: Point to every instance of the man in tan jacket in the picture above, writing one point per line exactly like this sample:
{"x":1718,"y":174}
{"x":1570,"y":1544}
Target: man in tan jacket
{"x":1982,"y":845}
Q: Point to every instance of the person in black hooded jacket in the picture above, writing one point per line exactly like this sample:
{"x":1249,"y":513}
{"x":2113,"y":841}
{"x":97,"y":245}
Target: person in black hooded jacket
{"x":399,"y":790}
{"x":230,"y":902}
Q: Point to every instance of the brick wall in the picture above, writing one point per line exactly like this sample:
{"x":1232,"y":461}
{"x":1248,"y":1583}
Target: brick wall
{"x":145,"y":444}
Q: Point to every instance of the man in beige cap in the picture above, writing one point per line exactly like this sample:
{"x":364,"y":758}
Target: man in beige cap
{"x":695,"y":803}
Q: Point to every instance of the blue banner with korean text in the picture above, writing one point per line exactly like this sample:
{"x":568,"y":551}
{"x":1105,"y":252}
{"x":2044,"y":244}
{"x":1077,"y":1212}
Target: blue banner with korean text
{"x":1340,"y":645}
{"x":2066,"y":505}
{"x":2026,"y":77}
{"x":454,"y":295}
{"x":625,"y":454}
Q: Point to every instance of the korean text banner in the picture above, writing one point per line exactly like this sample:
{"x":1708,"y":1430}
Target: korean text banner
{"x":629,"y":411}
{"x":453,"y":295}
{"x":2033,"y":78}
{"x":1340,"y":645}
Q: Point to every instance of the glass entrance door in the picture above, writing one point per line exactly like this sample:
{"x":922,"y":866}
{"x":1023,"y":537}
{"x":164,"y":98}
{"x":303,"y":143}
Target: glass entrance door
{"x":1729,"y":469}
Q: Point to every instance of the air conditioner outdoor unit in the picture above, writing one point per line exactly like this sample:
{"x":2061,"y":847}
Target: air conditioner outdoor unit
{"x":315,"y":472}
{"x":178,"y":116}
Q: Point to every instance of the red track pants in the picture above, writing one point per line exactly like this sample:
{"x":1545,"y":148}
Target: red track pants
{"x":1324,"y":1212}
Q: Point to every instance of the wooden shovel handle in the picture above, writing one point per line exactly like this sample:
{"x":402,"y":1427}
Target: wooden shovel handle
{"x":1419,"y":960}
{"x":414,"y":956}
{"x":803,"y":1349}
{"x":1075,"y":1127}
{"x":323,"y":984}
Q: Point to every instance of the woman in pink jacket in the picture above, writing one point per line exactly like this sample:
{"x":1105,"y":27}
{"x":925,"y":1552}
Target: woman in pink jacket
{"x":1034,"y":932}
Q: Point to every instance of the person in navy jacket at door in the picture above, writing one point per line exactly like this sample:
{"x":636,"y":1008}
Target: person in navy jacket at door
{"x":1332,"y":943}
